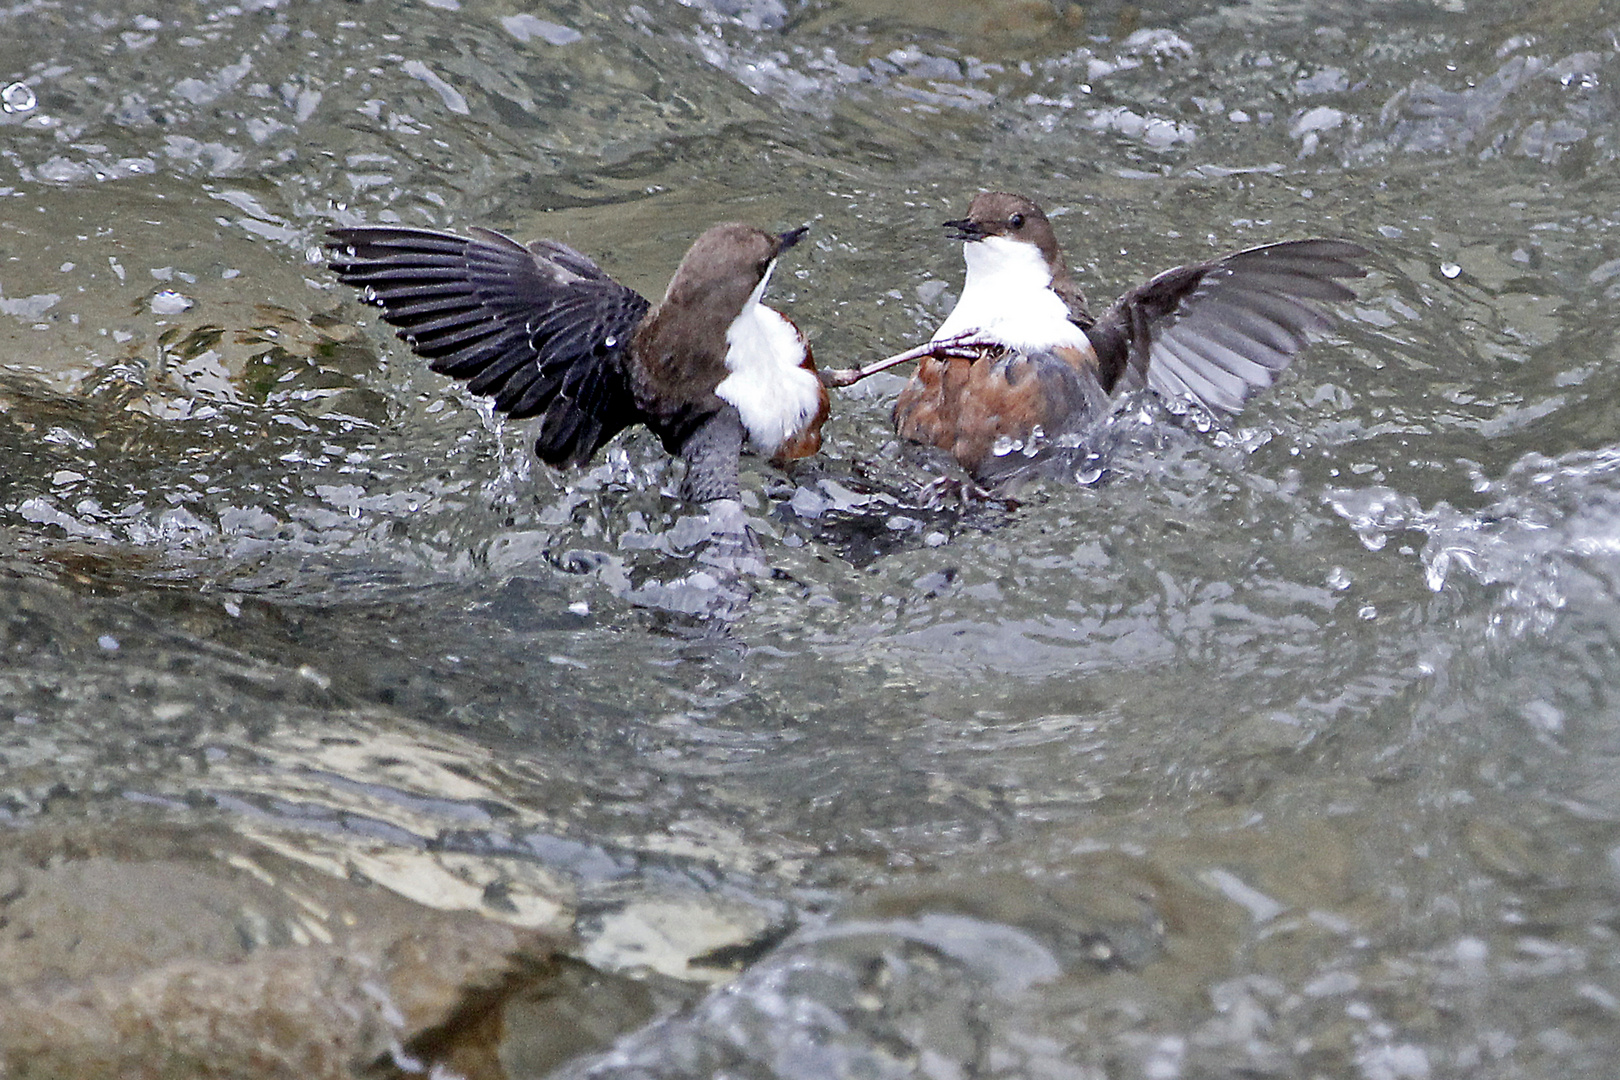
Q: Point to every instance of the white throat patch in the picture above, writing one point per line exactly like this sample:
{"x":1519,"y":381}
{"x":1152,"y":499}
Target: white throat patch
{"x":774,"y":395}
{"x":1008,"y":298}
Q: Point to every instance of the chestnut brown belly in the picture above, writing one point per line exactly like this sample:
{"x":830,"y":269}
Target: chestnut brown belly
{"x":965,"y":407}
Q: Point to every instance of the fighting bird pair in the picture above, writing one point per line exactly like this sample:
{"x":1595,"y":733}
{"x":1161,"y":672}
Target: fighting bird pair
{"x":714,"y":372}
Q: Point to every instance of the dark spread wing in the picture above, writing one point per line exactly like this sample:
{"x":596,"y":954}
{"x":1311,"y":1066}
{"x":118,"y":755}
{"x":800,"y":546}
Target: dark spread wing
{"x":1216,"y":332}
{"x":540,"y":329}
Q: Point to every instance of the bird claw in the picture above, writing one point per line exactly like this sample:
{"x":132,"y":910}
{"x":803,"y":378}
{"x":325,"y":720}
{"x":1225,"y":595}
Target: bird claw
{"x":963,"y":340}
{"x":962,"y":491}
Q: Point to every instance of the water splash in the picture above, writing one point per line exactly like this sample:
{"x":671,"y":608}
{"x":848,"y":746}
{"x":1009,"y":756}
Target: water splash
{"x":1548,"y":536}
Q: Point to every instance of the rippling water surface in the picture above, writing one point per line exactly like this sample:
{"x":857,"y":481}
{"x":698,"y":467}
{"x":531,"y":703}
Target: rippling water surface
{"x":1288,"y":750}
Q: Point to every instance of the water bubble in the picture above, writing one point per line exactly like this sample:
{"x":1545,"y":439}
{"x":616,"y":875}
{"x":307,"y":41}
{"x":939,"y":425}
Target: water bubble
{"x":18,"y":98}
{"x":1005,"y":444}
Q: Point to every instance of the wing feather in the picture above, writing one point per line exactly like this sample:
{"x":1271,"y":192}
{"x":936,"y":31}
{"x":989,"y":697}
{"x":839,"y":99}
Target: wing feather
{"x":1215,"y":332}
{"x":540,"y":329}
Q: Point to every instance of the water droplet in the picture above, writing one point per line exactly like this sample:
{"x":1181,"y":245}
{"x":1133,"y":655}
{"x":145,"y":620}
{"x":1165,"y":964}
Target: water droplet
{"x":1004,"y":445}
{"x":1450,"y":269}
{"x":18,"y":97}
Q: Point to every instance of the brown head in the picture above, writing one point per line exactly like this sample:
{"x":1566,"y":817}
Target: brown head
{"x":1001,"y":213}
{"x":723,"y":266}
{"x":680,"y":348}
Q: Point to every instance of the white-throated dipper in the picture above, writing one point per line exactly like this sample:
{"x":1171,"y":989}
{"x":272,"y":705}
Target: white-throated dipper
{"x":1021,"y":358}
{"x":546,"y":333}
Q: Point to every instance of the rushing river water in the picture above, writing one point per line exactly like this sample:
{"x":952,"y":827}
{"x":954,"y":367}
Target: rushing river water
{"x":1289,"y":749}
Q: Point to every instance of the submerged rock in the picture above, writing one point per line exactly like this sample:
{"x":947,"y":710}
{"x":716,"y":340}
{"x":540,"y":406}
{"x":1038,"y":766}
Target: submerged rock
{"x":153,"y":951}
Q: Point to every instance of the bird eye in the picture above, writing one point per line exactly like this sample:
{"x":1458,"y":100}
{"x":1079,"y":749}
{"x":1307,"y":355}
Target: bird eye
{"x":1016,"y":221}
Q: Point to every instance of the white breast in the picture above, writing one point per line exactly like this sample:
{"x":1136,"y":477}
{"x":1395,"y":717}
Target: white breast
{"x":774,"y":395}
{"x":1008,"y":298}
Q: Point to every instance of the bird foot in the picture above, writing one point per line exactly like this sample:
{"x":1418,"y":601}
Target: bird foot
{"x":731,"y":547}
{"x":718,"y":556}
{"x":959,"y":491}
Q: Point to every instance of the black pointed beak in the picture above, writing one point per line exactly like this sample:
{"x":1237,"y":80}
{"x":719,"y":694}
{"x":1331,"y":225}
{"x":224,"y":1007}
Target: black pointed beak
{"x":966,"y":230}
{"x":789,"y":238}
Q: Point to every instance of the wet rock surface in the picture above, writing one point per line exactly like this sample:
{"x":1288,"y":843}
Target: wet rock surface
{"x":165,"y":952}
